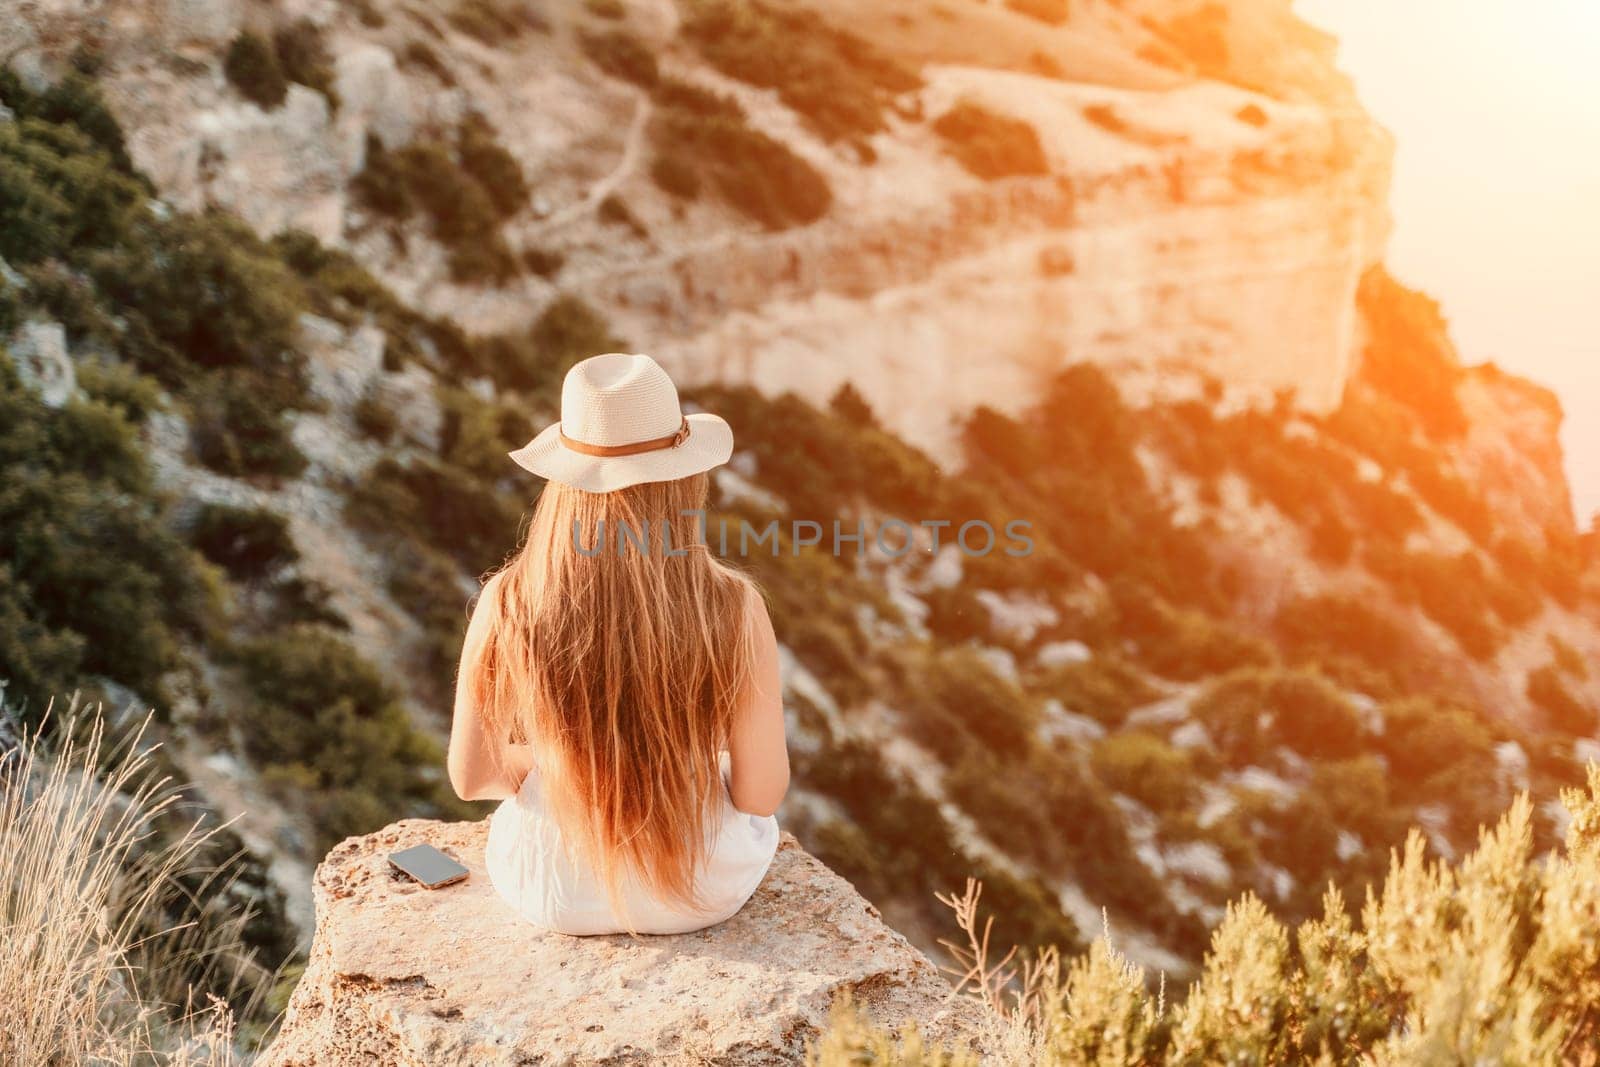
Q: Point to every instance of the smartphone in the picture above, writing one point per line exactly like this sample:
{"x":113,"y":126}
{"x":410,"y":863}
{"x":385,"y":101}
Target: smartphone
{"x":426,"y":864}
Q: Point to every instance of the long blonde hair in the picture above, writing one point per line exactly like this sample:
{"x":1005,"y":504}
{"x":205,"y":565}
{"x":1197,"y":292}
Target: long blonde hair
{"x":623,"y":669}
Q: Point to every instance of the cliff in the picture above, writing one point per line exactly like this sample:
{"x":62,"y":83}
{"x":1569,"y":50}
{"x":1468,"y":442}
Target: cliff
{"x":399,"y":975}
{"x":1075,"y":729}
{"x":1210,"y":213}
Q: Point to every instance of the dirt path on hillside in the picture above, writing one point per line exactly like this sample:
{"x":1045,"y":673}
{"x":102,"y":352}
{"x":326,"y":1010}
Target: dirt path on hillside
{"x":632,"y":150}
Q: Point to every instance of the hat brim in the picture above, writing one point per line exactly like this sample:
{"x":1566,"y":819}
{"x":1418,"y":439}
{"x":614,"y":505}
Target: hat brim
{"x":709,"y":444}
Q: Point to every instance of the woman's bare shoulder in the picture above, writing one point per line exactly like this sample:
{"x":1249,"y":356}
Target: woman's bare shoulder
{"x":490,"y":587}
{"x":757,"y":619}
{"x":479,"y":608}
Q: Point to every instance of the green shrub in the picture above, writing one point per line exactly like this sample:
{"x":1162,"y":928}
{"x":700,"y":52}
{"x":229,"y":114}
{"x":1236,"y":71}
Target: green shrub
{"x":303,"y":57}
{"x":957,"y":696}
{"x":238,"y":431}
{"x":615,"y":211}
{"x":1106,"y":117}
{"x":1425,"y":737}
{"x":1249,"y":713}
{"x":676,"y":176}
{"x":495,"y":21}
{"x":252,"y":67}
{"x":545,"y":262}
{"x":1087,"y":840}
{"x":204,"y":291}
{"x":476,"y":434}
{"x":1105,"y":688}
{"x":567,"y":330}
{"x":375,"y":419}
{"x":462,"y":213}
{"x":340,"y":288}
{"x":906,"y":850}
{"x":368,"y":13}
{"x":448,"y":507}
{"x":489,"y":260}
{"x":1329,"y":625}
{"x":10,"y":308}
{"x":1148,"y":769}
{"x":704,"y":138}
{"x":60,"y":192}
{"x":679,"y":95}
{"x":76,"y":101}
{"x":622,"y":55}
{"x":848,"y":404}
{"x":756,"y":175}
{"x":91,"y":580}
{"x":325,"y":726}
{"x":425,"y":585}
{"x":1449,"y":589}
{"x":1053,"y":12}
{"x":61,"y":293}
{"x":1568,"y":660}
{"x":458,"y":206}
{"x":1562,"y":711}
{"x":835,"y":80}
{"x":1070,"y":466}
{"x":118,"y":385}
{"x":382,"y":186}
{"x":1453,"y":498}
{"x":419,"y":55}
{"x":496,"y":169}
{"x":97,"y":440}
{"x":298,"y":599}
{"x":956,"y":615}
{"x":989,"y":145}
{"x":249,"y":543}
{"x":1557,"y":567}
{"x":1182,"y":643}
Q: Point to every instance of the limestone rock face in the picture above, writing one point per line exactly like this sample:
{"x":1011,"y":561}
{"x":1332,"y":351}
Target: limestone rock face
{"x":39,"y":352}
{"x":1512,"y":451}
{"x":209,"y":22}
{"x":400,"y":975}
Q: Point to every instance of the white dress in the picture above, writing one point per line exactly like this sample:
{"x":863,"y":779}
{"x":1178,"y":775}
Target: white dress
{"x":532,"y":870}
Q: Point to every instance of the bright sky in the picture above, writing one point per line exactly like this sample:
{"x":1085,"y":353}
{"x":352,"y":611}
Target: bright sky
{"x":1495,"y":108}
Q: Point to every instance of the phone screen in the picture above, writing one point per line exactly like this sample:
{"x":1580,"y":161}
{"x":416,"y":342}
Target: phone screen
{"x":428,"y":865}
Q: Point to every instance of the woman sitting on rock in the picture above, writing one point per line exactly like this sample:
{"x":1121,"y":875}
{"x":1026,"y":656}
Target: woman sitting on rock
{"x":619,"y":684}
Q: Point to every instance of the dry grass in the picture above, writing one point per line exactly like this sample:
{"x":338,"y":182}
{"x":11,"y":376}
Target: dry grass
{"x":92,"y":970}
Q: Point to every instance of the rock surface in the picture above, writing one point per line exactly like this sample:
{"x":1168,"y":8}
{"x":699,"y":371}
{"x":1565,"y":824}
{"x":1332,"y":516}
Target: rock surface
{"x":401,"y":975}
{"x":39,"y":353}
{"x":1218,"y":223}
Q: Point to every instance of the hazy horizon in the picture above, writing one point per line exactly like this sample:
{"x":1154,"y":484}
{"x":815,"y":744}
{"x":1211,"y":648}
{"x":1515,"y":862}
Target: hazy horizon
{"x":1496,"y":194}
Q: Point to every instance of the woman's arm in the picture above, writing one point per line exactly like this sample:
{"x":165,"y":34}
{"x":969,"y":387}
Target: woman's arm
{"x":481,"y":767}
{"x":759,"y":755}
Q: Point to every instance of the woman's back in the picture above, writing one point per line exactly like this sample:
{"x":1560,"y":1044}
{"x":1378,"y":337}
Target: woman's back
{"x":618,"y":684}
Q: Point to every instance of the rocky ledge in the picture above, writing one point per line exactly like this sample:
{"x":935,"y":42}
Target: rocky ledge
{"x":399,"y":975}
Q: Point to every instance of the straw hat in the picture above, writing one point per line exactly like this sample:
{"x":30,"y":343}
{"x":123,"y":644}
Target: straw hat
{"x":621,"y":425}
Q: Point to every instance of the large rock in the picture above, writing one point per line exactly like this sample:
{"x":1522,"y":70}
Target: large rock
{"x":400,"y":975}
{"x":39,"y":353}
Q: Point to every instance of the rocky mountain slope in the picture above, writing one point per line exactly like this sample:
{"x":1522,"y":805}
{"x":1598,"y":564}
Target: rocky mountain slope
{"x":1150,"y":216}
{"x":283,"y":282}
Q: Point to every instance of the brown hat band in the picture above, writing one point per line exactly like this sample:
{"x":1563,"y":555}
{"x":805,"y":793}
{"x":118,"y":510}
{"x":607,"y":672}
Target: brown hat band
{"x":655,"y":444}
